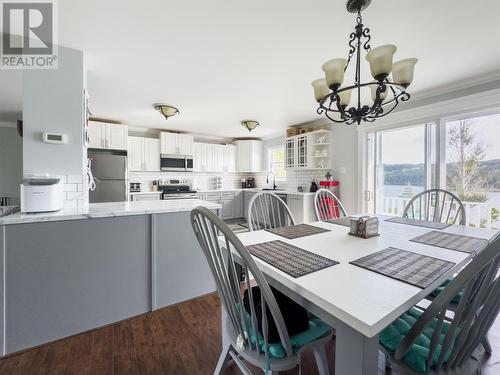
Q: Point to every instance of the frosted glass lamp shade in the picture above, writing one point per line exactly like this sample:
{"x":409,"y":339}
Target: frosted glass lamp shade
{"x":380,"y":59}
{"x":320,"y":88}
{"x":402,"y":71}
{"x":334,"y":72}
{"x":345,"y":97}
{"x":374,"y":88}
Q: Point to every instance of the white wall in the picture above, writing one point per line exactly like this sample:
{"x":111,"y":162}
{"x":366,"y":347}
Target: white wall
{"x":11,"y":162}
{"x":53,"y":101}
{"x":344,"y":162}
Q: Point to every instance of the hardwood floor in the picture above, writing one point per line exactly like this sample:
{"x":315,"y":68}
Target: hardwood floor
{"x":182,"y":339}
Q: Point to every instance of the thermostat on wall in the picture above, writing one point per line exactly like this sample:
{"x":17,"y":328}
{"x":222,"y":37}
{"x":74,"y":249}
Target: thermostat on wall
{"x":55,"y":138}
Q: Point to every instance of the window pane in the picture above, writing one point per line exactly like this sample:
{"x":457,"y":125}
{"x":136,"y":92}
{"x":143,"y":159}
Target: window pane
{"x":473,"y":167}
{"x":400,"y":168}
{"x":277,"y":163}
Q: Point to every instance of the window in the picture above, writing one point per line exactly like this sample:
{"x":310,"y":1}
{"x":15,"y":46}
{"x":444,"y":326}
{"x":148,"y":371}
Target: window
{"x":459,"y":154}
{"x":401,"y":172}
{"x":276,"y":157}
{"x":472,"y":169}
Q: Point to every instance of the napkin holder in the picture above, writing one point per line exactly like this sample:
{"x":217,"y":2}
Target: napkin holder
{"x":364,"y":226}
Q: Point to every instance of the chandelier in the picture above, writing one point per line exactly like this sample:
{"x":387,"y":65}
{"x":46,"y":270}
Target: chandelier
{"x":386,"y":93}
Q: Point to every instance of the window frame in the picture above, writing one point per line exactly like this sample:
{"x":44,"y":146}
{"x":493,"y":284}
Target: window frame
{"x":270,"y":163}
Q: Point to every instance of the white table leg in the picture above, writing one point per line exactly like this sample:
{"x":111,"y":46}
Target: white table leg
{"x":355,"y":354}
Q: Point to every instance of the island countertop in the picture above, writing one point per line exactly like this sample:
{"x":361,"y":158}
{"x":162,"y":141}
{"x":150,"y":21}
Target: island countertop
{"x":111,"y":209}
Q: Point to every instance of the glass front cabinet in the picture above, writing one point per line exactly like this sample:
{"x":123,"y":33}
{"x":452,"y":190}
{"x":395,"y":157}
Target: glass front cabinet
{"x":308,"y":150}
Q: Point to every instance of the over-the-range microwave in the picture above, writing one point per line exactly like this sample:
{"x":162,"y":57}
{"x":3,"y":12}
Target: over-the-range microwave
{"x":179,"y":163}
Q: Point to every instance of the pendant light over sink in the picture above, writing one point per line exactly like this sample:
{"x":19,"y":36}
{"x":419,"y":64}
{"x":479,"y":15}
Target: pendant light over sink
{"x":386,"y":92}
{"x":166,"y":110}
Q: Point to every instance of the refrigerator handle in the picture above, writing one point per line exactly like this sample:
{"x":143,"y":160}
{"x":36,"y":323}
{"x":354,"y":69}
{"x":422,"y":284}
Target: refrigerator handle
{"x":185,"y":163}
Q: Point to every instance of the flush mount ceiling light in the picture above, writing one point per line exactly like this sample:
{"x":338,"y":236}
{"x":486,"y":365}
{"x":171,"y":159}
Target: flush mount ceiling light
{"x":166,"y":110}
{"x":250,"y":124}
{"x":386,"y":92}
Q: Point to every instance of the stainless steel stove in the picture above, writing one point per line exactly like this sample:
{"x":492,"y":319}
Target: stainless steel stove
{"x":176,"y":189}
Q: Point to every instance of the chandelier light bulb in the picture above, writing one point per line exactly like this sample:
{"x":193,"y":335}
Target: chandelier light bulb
{"x":402,"y":71}
{"x":374,"y":87}
{"x":345,"y":97}
{"x":320,"y":88}
{"x":334,"y":72}
{"x":380,"y":59}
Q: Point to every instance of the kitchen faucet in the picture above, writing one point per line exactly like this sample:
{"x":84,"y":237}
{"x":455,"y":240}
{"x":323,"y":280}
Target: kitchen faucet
{"x":274,"y":179}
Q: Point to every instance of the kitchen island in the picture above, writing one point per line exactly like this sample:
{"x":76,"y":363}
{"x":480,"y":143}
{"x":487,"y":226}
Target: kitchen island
{"x":77,"y":269}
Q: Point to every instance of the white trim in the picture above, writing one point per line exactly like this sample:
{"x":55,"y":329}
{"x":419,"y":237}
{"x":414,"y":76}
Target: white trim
{"x":470,"y":104}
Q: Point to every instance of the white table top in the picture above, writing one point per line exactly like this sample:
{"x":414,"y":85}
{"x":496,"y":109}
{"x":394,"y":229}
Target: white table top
{"x":364,"y":300}
{"x":111,"y":209}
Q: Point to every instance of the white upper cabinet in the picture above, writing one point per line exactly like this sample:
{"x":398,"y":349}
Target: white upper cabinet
{"x":152,"y":154}
{"x":173,"y":143}
{"x":135,"y":153}
{"x":308,"y":150}
{"x":143,"y":154}
{"x":209,"y":157}
{"x":96,"y":133}
{"x":108,"y":136}
{"x":249,"y":156}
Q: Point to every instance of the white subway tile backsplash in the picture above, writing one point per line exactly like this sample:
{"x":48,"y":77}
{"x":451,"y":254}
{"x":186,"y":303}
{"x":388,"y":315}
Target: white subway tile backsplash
{"x":70,"y":195}
{"x":75,"y":179}
{"x":70,"y":187}
{"x":70,"y":204}
{"x":230,"y":180}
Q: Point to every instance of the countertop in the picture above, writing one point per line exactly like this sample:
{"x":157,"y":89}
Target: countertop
{"x":144,"y":192}
{"x":112,"y":209}
{"x":277,"y":191}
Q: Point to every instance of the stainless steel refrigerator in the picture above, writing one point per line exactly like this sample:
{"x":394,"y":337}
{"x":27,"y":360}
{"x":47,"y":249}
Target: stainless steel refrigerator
{"x":110,"y":171}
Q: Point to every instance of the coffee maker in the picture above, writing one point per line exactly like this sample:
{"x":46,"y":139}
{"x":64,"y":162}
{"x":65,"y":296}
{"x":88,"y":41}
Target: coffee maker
{"x":250,"y":183}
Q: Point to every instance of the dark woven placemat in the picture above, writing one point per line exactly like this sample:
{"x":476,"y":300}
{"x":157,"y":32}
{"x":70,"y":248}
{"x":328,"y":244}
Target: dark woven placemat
{"x":289,"y":258}
{"x":344,"y":221}
{"x":296,"y":231}
{"x":451,"y":241}
{"x":418,"y":223}
{"x":411,"y":268}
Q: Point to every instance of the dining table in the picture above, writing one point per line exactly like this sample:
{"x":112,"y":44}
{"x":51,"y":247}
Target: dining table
{"x":359,"y":303}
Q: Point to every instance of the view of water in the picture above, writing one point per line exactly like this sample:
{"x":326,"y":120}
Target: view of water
{"x":398,"y":190}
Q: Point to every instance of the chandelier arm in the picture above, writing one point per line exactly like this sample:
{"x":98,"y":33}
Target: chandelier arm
{"x":378,"y":101}
{"x":404,"y":96}
{"x":366,"y":34}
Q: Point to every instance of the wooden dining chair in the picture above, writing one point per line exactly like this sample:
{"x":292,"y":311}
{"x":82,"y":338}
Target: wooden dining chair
{"x":327,"y":206}
{"x":247,"y":339}
{"x":437,"y":205}
{"x":427,"y":341}
{"x":267,"y":211}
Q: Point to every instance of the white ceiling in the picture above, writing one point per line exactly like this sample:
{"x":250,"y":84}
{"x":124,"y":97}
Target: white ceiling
{"x":221,"y":61}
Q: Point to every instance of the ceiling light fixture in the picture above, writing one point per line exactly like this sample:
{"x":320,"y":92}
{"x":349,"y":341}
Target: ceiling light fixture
{"x":386,"y":94}
{"x":166,"y":110}
{"x":250,"y":124}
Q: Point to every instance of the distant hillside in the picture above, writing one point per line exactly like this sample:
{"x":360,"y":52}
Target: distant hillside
{"x":414,"y":174}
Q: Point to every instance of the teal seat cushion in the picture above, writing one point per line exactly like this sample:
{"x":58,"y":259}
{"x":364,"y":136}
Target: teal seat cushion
{"x":317,"y":328}
{"x":439,"y":289}
{"x":416,"y":357}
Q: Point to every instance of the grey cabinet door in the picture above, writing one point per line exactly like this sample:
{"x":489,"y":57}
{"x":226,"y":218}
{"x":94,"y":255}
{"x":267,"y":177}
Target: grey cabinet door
{"x":238,"y":204}
{"x":227,"y":208}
